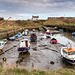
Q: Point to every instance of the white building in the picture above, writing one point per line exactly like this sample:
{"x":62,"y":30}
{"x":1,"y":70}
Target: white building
{"x":35,"y":17}
{"x":10,"y":19}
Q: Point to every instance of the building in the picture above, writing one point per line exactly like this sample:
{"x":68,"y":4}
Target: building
{"x":10,"y":19}
{"x":35,"y":17}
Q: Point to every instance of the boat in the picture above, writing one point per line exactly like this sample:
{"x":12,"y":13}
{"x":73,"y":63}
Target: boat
{"x":33,"y":30}
{"x":73,"y":33}
{"x":24,"y":45}
{"x":68,"y":54}
{"x":2,"y":44}
{"x":73,"y":37}
{"x":25,"y":32}
{"x":61,"y":30}
{"x":5,"y":40}
{"x":53,"y":40}
{"x":48,"y":34}
{"x":12,"y":38}
{"x":18,"y":35}
{"x":56,"y":28}
{"x":33,"y":37}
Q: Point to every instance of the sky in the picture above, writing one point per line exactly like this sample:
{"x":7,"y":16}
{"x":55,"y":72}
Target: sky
{"x":24,"y":9}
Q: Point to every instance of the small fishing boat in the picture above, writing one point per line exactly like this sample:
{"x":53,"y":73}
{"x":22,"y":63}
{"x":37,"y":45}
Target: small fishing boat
{"x":12,"y":38}
{"x":25,"y":32}
{"x":61,"y":30}
{"x":18,"y":35}
{"x":73,"y":37}
{"x":33,"y":37}
{"x":5,"y":40}
{"x":53,"y":40}
{"x":73,"y":33}
{"x":24,"y":45}
{"x":33,"y":30}
{"x":48,"y":34}
{"x":56,"y":28}
{"x":68,"y":54}
{"x":2,"y":44}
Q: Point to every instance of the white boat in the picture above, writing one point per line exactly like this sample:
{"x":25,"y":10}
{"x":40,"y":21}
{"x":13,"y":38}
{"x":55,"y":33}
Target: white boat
{"x":24,"y":45}
{"x":68,"y":54}
{"x":25,"y":32}
{"x":2,"y":44}
{"x":48,"y":34}
{"x":18,"y":35}
{"x":33,"y":30}
{"x":5,"y":40}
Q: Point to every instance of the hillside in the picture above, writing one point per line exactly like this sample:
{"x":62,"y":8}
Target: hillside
{"x":60,"y":22}
{"x":5,"y":25}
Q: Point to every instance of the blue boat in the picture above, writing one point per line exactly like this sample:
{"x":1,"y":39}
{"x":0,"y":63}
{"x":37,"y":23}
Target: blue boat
{"x":73,"y":33}
{"x":33,"y":37}
{"x":61,"y":30}
{"x":18,"y":35}
{"x":12,"y":38}
{"x":24,"y":45}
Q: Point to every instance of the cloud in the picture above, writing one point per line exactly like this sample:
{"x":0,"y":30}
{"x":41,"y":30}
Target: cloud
{"x":20,"y":8}
{"x":3,"y":11}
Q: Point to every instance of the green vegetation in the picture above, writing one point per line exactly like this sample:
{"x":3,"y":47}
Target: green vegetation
{"x":35,"y":72}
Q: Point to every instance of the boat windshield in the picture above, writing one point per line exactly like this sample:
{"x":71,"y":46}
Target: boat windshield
{"x":71,"y":53}
{"x":64,"y":52}
{"x":53,"y":39}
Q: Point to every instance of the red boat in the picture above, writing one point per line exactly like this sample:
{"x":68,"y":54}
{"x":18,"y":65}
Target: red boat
{"x":53,"y":40}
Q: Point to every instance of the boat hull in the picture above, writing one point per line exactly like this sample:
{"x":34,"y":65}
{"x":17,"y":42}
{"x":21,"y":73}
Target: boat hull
{"x":23,"y":49}
{"x":53,"y":42}
{"x":69,"y":61}
{"x":48,"y":36}
{"x":33,"y":39}
{"x":73,"y":33}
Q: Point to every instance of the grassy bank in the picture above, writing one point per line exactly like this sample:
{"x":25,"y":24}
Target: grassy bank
{"x":35,"y":72}
{"x":62,"y":24}
{"x":9,"y":26}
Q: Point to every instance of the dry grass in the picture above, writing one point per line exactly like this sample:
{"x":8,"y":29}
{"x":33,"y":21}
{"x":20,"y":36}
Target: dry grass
{"x":17,"y":71}
{"x":54,"y":22}
{"x":9,"y":70}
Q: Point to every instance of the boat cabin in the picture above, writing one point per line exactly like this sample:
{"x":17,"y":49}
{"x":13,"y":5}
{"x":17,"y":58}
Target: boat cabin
{"x":24,"y":45}
{"x":69,"y":51}
{"x":33,"y":35}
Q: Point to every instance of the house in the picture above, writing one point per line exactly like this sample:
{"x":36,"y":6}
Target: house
{"x":35,"y":17}
{"x":10,"y":19}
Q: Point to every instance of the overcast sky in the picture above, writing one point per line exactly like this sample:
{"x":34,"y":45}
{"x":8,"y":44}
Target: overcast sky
{"x":24,"y":9}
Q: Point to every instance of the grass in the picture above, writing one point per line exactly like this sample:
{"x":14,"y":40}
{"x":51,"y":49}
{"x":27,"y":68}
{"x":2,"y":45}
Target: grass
{"x":18,"y":71}
{"x":57,"y":22}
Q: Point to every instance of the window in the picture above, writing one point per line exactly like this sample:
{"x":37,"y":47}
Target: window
{"x":71,"y":53}
{"x":64,"y":52}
